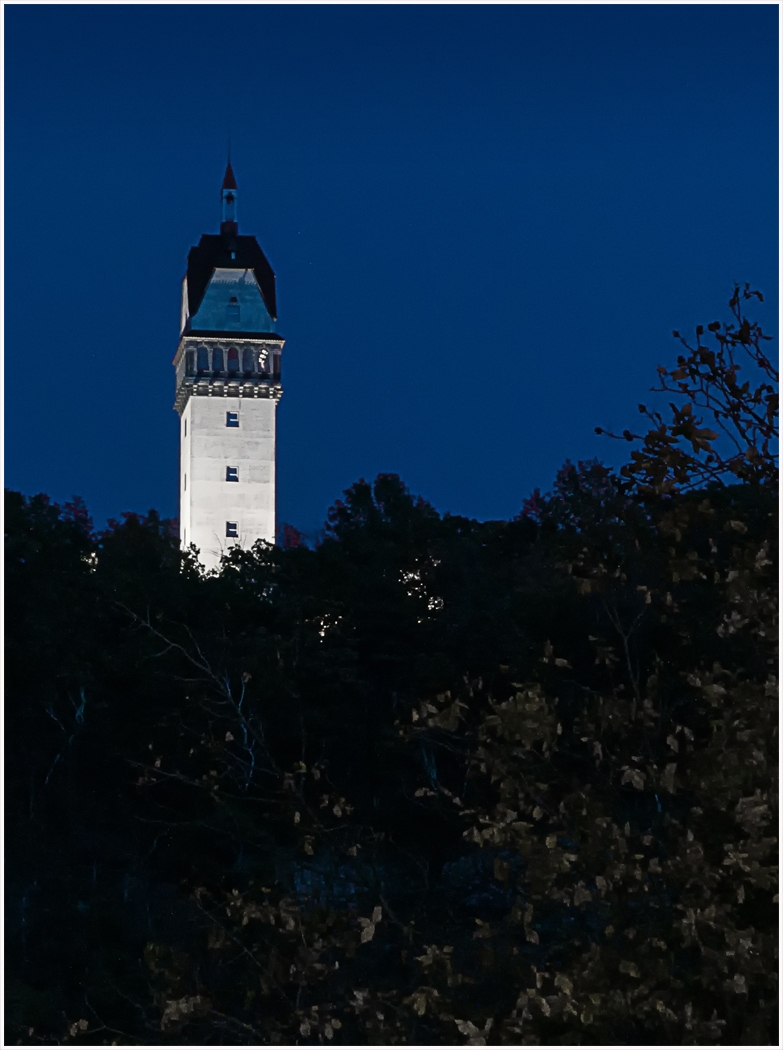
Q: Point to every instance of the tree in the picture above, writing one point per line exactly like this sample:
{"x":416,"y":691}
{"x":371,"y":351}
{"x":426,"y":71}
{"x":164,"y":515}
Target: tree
{"x":431,"y":780}
{"x":641,"y":799}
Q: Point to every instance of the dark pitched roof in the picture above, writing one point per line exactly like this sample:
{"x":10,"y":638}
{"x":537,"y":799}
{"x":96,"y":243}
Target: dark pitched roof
{"x":214,"y":250}
{"x":229,"y":182}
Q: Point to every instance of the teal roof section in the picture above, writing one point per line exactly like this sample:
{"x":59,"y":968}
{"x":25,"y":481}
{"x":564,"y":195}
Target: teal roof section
{"x":232,"y":302}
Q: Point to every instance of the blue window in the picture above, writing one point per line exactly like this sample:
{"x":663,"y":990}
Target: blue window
{"x":190,"y":363}
{"x":203,"y":359}
{"x":248,"y":364}
{"x":232,"y":529}
{"x":233,"y":361}
{"x":232,"y":473}
{"x":217,"y":360}
{"x":232,"y":419}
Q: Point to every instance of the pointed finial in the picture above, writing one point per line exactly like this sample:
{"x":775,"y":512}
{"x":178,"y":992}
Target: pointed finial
{"x":228,"y":198}
{"x":229,"y":182}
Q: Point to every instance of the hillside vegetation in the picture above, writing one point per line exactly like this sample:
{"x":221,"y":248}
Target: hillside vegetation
{"x":435,"y":781}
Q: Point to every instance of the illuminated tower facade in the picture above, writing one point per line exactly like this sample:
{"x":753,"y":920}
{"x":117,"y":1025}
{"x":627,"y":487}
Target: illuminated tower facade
{"x":228,"y":386}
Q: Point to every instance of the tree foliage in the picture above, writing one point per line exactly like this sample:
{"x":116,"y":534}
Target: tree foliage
{"x":433,"y":781}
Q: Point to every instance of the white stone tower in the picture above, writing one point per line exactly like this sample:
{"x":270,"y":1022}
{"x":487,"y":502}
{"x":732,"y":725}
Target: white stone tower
{"x":228,"y":385}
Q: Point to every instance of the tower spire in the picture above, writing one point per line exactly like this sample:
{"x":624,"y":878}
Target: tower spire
{"x":228,"y":197}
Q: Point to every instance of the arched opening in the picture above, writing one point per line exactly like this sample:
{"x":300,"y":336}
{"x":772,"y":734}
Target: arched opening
{"x":203,"y":359}
{"x":248,"y":363}
{"x":233,"y":361}
{"x":217,"y":360}
{"x":190,"y":363}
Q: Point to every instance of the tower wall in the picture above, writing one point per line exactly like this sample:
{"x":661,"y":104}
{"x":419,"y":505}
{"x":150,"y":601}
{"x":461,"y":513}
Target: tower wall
{"x":208,"y":448}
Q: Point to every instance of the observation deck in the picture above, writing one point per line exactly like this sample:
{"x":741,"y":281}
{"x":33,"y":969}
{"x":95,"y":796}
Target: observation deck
{"x":228,"y":367}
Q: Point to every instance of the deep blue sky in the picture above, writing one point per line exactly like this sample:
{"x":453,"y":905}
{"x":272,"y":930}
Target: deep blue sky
{"x":485,"y":222}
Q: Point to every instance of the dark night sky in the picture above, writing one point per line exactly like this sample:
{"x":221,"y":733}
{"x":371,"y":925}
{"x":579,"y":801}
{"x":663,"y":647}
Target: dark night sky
{"x":485,"y":222}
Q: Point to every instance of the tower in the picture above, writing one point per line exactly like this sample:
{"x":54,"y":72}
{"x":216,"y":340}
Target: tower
{"x":228,"y":385}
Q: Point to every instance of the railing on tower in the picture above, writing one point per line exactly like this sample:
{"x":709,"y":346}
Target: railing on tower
{"x":205,"y":363}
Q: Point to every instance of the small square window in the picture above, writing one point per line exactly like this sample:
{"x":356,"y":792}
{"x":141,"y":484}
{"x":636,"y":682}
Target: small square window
{"x":232,"y":530}
{"x":232,"y":473}
{"x":232,"y":419}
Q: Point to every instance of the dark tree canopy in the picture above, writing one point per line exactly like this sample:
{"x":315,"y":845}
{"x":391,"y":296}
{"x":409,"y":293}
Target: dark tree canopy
{"x":430,"y":781}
